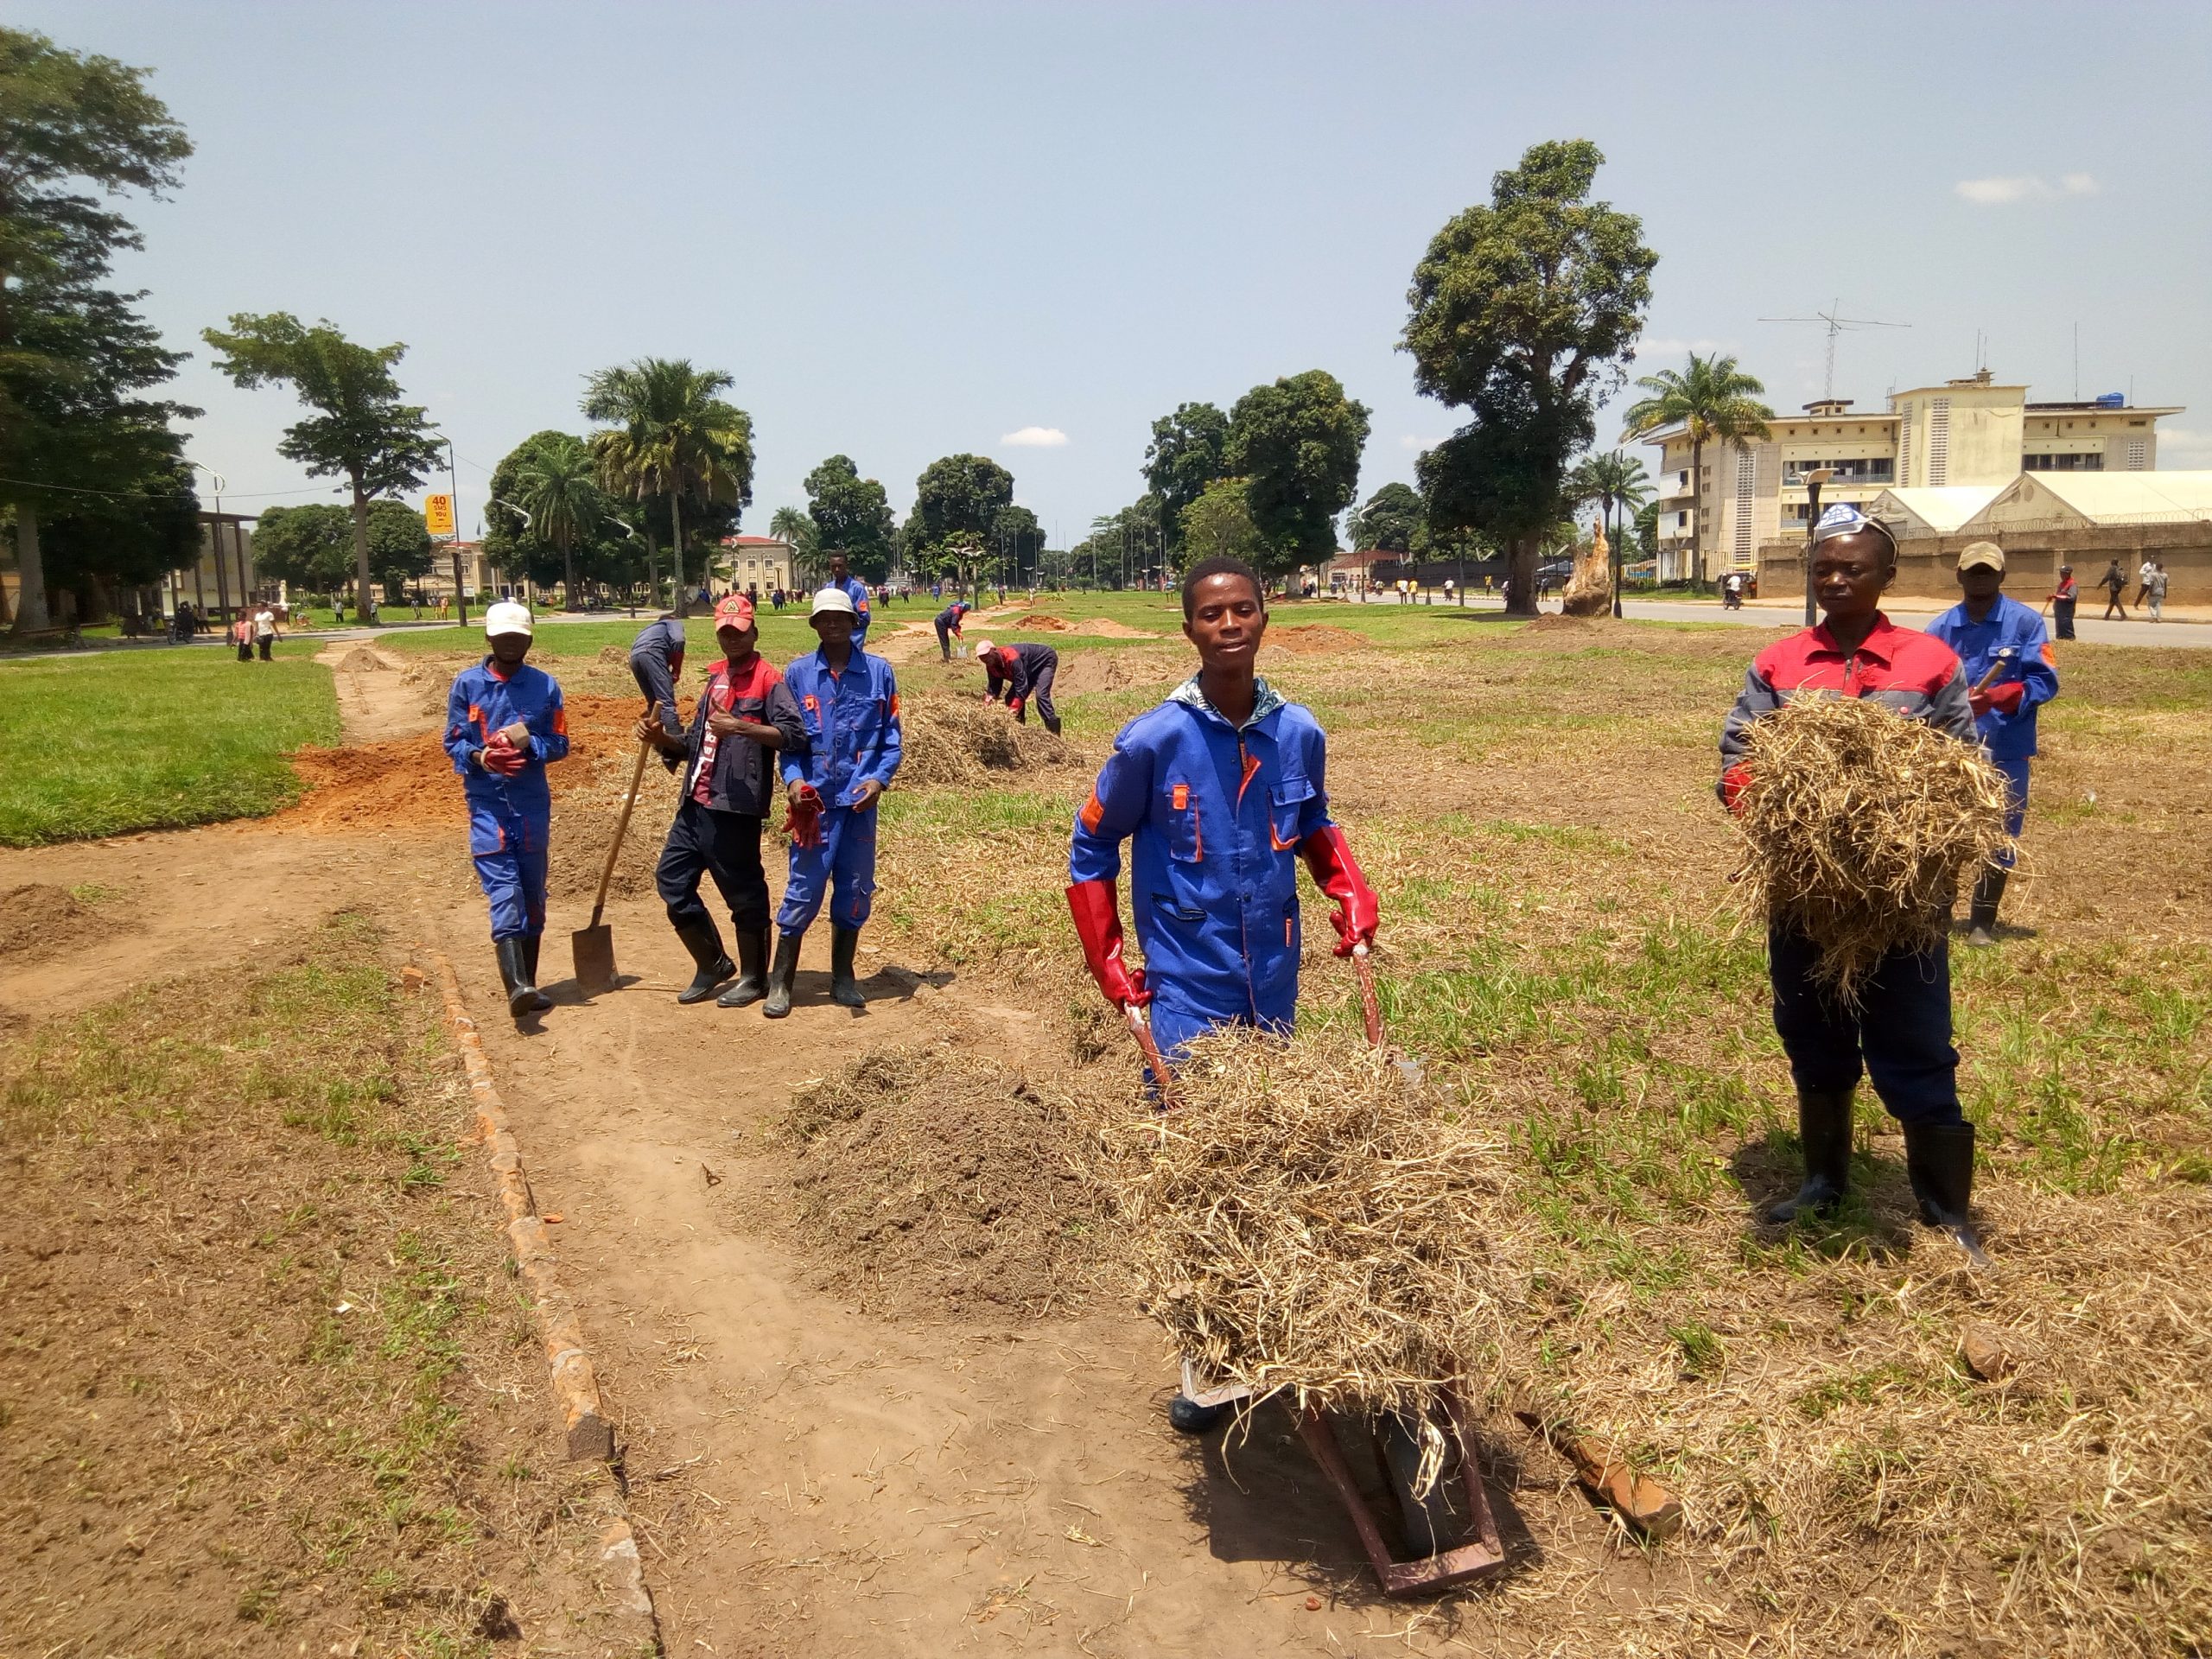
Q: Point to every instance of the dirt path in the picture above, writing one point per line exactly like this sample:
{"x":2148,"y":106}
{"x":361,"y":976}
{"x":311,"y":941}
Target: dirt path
{"x":373,"y":701}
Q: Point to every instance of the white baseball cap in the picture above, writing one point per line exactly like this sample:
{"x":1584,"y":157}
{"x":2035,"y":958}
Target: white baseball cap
{"x":508,"y":617}
{"x":831,"y":599}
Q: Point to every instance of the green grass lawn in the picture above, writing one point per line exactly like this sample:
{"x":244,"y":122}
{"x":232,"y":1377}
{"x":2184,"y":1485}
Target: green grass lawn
{"x":102,"y":744}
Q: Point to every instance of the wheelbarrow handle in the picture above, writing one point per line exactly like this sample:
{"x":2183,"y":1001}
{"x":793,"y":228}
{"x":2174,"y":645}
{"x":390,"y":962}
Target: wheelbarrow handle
{"x":1369,"y":1005}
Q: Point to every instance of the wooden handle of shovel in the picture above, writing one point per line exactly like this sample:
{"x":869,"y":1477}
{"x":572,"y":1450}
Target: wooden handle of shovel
{"x":622,"y":824}
{"x":1369,"y":1005}
{"x":1161,"y":1079}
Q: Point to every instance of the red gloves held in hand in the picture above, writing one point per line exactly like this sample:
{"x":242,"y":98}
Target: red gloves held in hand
{"x":1336,"y":874}
{"x":503,"y":758}
{"x":1013,"y":704}
{"x":1098,"y":924}
{"x":802,"y":817}
{"x":1734,"y":782}
{"x":2005,"y":699}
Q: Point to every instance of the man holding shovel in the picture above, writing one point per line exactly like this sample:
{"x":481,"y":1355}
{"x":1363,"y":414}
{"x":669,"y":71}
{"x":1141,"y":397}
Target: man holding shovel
{"x":1220,"y":791}
{"x":744,"y":716}
{"x":505,"y":724}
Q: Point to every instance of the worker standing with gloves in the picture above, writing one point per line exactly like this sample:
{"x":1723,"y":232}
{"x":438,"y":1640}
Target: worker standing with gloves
{"x":1220,"y":791}
{"x":1898,"y":1030}
{"x":843,"y":579}
{"x":849,"y":706}
{"x":1025,"y":671}
{"x":1990,"y":631}
{"x":948,"y":626}
{"x":657,"y":663}
{"x":504,"y":724}
{"x":744,"y":716}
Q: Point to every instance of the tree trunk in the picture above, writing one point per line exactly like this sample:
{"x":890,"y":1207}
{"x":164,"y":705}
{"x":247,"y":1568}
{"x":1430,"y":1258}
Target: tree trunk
{"x":364,"y":595}
{"x":1697,"y":516}
{"x":31,"y":614}
{"x":1521,"y":565}
{"x":568,"y":575}
{"x":676,"y":554}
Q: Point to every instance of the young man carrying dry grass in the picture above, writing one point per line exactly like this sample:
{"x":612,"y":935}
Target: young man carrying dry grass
{"x":1898,"y":1027}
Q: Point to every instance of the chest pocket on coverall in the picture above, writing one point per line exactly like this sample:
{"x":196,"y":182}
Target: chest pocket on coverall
{"x":1286,"y":806}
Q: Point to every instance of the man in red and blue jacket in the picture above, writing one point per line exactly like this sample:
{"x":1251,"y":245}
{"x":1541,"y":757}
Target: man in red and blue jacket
{"x":505,"y":724}
{"x":1898,"y":1031}
{"x":2001,"y":641}
{"x":849,"y":704}
{"x":1024,"y":671}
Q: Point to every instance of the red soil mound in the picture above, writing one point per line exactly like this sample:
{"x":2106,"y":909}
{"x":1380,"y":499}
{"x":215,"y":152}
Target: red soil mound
{"x":1315,"y":639}
{"x":1037,"y":622}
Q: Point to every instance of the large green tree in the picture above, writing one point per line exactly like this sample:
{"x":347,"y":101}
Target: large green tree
{"x":557,"y":484}
{"x":672,"y":438}
{"x":851,"y":515}
{"x":100,"y":543}
{"x":1220,"y":522}
{"x":75,"y":355}
{"x":1296,"y":444}
{"x":1016,"y":539}
{"x":1389,"y":520}
{"x":310,"y":546}
{"x":1184,"y":459}
{"x":1713,"y":401}
{"x":956,"y":495}
{"x":361,"y":431}
{"x":400,"y":548}
{"x":600,"y":549}
{"x":1522,"y":312}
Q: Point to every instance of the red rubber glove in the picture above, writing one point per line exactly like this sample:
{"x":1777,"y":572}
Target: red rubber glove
{"x":2005,"y":699}
{"x":1013,"y":704}
{"x":1098,"y":924}
{"x":502,"y":757}
{"x":1336,"y":874}
{"x":802,"y":817}
{"x":1733,"y":783}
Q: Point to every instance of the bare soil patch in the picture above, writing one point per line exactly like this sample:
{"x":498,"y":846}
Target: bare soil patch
{"x":38,"y":919}
{"x":1318,"y":640}
{"x":1042,"y":622}
{"x":1105,"y":627}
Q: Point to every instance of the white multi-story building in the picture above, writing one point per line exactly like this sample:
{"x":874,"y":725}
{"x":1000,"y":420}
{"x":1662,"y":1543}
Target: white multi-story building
{"x":1964,"y":433}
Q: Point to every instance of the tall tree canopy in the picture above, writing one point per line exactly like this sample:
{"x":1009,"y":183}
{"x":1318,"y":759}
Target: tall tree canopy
{"x":1183,"y":458}
{"x":673,"y":437}
{"x":1713,"y":401}
{"x":1220,"y":522}
{"x":309,"y":546}
{"x":851,"y":515}
{"x":360,"y":432}
{"x":955,"y":495}
{"x":1016,"y":539}
{"x":1522,"y":312}
{"x":1390,"y":520}
{"x":1296,"y":444}
{"x":545,"y":467}
{"x":74,"y":355}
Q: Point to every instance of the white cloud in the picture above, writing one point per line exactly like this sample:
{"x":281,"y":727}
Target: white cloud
{"x":2024,"y":186}
{"x":1036,"y":437}
{"x":2185,"y":448}
{"x":1647,"y":348}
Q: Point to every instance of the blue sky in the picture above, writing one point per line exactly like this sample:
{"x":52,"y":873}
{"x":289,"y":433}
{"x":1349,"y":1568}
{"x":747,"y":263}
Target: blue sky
{"x":915,"y":229}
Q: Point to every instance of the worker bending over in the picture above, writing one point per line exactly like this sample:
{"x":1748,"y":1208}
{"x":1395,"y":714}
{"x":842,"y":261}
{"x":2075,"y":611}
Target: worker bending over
{"x":1899,"y":1029}
{"x":2002,"y":642}
{"x":948,"y":626}
{"x":849,"y":706}
{"x":1024,"y":672}
{"x":505,"y":724}
{"x":657,"y":663}
{"x":745,"y":715}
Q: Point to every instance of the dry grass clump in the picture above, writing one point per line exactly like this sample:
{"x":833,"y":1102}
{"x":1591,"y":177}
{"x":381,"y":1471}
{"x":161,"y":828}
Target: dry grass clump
{"x":1859,"y":824}
{"x":954,"y":741}
{"x":929,"y":1178}
{"x":1313,"y":1221}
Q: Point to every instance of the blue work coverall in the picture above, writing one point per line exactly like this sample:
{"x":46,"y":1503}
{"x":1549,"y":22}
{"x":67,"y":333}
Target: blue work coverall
{"x":2009,"y":738}
{"x":656,"y":659}
{"x":856,"y":590}
{"x":852,"y":738}
{"x":509,"y":818}
{"x":1214,"y":815}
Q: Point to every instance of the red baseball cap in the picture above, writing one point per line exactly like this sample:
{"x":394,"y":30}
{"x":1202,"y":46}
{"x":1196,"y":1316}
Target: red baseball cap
{"x":735,"y":610}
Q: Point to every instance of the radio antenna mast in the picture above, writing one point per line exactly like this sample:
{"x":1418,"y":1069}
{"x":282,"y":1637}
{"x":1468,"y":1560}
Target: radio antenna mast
{"x":1835,"y":325}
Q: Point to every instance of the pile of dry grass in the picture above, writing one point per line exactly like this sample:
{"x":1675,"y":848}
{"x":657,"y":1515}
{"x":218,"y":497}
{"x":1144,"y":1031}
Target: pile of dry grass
{"x":957,"y":740}
{"x":931,"y":1178}
{"x":1859,"y":824}
{"x":1311,"y":1221}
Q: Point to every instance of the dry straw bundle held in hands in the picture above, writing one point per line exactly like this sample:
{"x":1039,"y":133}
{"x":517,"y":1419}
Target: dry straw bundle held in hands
{"x":1860,"y":825}
{"x":1312,"y":1220}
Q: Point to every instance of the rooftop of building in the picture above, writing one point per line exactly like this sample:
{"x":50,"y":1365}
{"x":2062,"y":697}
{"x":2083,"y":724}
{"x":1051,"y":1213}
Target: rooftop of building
{"x":2124,"y":497}
{"x":756,"y":541}
{"x":1934,"y":511}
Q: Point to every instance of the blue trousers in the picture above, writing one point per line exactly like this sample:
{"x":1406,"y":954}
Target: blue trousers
{"x":1900,"y":1029}
{"x":842,"y":867}
{"x":2016,"y":773}
{"x":515,"y":884}
{"x":653,"y":678}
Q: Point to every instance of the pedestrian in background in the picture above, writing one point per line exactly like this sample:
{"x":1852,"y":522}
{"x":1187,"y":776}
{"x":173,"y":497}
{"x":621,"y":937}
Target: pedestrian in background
{"x":2062,"y":600}
{"x":2143,"y":581}
{"x":2115,"y":587}
{"x":264,"y":632}
{"x":2158,"y":588}
{"x":242,"y":637}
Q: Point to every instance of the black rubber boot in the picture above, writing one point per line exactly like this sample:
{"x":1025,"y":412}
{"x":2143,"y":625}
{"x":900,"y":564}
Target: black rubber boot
{"x":1939,"y":1162}
{"x":1824,"y":1125}
{"x":1981,"y":920}
{"x":514,"y":973}
{"x":844,"y":989}
{"x":530,"y":943}
{"x":753,"y":971}
{"x":1189,"y":1417}
{"x":781,"y":972}
{"x":705,"y":946}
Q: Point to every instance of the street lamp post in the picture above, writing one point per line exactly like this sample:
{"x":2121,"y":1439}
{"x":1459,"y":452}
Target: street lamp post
{"x":1814,"y":478}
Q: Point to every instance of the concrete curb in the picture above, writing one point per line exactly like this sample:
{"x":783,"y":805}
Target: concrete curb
{"x":575,"y":1383}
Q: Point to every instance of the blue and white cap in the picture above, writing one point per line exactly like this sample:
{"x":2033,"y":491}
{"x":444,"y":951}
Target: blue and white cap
{"x":1844,"y":519}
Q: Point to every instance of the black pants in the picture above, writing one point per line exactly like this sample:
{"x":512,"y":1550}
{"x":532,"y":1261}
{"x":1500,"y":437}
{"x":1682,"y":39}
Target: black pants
{"x":725,"y":845}
{"x":653,"y":678}
{"x":261,"y":644}
{"x":1040,"y":693}
{"x":1901,"y":1028}
{"x":945,"y":640}
{"x":2113,"y":596}
{"x":245,"y":650}
{"x":2061,"y":613}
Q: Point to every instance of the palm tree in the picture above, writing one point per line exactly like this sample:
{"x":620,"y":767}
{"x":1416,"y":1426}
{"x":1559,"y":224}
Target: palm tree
{"x":1712,"y":401}
{"x":1615,"y":479}
{"x":559,"y":488}
{"x":795,"y":526}
{"x":672,"y":436}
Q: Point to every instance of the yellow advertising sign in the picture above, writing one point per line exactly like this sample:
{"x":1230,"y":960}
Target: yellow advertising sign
{"x":437,"y":514}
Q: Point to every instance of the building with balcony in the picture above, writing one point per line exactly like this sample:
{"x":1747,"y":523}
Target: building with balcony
{"x":756,"y":564}
{"x":1974,"y":434}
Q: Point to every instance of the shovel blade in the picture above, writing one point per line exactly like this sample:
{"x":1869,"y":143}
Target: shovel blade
{"x":594,"y":954}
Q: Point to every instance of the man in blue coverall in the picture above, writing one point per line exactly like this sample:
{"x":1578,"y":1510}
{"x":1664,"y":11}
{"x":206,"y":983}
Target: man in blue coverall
{"x":505,"y":724}
{"x":1219,"y":791}
{"x":1989,"y":630}
{"x":657,"y":663}
{"x":848,"y":702}
{"x":843,"y":579}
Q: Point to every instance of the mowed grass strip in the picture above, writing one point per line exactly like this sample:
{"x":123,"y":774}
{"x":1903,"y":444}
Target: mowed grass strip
{"x":154,"y":740}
